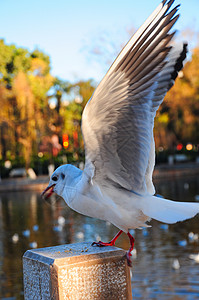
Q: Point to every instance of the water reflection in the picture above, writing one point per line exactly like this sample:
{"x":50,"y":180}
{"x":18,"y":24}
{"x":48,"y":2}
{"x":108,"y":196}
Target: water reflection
{"x":27,"y":221}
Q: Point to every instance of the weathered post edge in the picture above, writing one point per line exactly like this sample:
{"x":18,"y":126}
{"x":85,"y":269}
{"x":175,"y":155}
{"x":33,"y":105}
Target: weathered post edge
{"x":76,"y":271}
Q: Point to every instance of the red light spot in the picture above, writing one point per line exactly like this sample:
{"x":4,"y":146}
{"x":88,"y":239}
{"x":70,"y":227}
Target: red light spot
{"x":65,"y":140}
{"x":179,"y":147}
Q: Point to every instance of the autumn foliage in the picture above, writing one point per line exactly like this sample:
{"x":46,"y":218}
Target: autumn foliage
{"x":37,"y":109}
{"x":178,"y":117}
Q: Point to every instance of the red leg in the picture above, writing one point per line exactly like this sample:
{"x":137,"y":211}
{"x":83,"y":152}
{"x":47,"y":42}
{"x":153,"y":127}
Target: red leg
{"x":128,"y":255}
{"x":111,"y":243}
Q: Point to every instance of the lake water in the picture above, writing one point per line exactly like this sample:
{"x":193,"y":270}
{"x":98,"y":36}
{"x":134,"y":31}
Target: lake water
{"x":162,"y":268}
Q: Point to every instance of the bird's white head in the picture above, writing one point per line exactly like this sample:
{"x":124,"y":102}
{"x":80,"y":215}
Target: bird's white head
{"x":63,"y":182}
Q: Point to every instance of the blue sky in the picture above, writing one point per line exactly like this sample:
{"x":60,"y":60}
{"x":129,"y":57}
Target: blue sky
{"x":70,"y":31}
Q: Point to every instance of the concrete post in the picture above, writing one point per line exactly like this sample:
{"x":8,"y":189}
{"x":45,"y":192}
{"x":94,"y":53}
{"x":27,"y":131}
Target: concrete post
{"x":76,"y":272}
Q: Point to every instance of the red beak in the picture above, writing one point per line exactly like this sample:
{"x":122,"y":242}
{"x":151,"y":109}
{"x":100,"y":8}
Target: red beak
{"x":46,"y":195}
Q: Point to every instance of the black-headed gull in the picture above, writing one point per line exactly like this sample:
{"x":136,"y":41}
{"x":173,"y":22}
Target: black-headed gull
{"x":117,"y":126}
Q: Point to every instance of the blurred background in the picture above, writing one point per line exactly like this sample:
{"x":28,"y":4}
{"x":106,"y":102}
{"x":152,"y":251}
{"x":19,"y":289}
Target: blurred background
{"x":52,"y":56}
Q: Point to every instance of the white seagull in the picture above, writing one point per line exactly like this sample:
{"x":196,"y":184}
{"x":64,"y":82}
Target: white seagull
{"x":117,"y":125}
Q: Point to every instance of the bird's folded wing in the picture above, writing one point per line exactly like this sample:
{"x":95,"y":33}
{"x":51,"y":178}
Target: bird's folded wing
{"x":117,"y":123}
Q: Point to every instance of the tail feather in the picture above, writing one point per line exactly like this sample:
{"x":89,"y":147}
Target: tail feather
{"x":168,"y":211}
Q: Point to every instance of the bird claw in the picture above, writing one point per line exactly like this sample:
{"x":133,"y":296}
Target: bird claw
{"x":102,"y":244}
{"x":111,"y":243}
{"x":98,"y":244}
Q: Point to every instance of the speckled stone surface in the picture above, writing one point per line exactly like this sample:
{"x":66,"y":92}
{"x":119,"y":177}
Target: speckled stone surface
{"x":76,"y":271}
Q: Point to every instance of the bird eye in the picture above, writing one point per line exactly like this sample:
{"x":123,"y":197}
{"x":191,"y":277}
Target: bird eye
{"x":54,"y":178}
{"x":62,"y":175}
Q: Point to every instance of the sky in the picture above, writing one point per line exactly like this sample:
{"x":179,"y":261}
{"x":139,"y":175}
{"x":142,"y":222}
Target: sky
{"x":82,"y":37}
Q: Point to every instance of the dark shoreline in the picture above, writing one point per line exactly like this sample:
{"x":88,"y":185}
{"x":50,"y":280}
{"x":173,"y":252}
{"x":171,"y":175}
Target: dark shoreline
{"x":24,"y":184}
{"x":163,"y":171}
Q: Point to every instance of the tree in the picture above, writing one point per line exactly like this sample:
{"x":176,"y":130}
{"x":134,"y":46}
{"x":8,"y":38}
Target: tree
{"x":72,"y":113}
{"x":177,"y":120}
{"x":24,"y":82}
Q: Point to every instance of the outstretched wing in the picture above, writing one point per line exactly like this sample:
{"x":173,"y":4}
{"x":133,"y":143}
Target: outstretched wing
{"x":117,"y":123}
{"x":166,"y":80}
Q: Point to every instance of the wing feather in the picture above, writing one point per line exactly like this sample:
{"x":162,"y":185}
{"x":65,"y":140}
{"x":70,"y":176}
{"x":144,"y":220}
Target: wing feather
{"x":117,"y":123}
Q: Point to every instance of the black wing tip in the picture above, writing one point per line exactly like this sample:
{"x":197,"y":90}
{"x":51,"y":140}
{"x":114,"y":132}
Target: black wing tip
{"x":174,"y":10}
{"x":179,"y":63}
{"x":169,"y":3}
